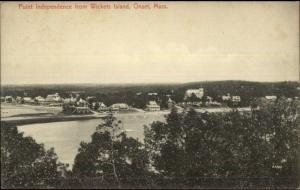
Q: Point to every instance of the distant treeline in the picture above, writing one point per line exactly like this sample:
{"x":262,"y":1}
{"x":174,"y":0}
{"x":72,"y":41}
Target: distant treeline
{"x":110,"y":94}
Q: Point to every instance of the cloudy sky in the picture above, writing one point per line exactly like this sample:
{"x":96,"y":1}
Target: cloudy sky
{"x":192,"y":41}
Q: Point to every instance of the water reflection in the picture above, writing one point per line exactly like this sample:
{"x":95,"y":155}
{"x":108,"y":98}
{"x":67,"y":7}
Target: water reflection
{"x":65,"y":137}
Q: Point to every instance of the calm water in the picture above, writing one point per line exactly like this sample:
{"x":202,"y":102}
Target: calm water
{"x":65,"y":137}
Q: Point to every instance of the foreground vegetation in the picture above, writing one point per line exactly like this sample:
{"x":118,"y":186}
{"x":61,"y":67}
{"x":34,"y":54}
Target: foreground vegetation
{"x":26,"y":164}
{"x":257,"y":149}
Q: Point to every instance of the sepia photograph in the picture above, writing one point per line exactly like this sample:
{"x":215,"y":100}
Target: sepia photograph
{"x":150,"y":95}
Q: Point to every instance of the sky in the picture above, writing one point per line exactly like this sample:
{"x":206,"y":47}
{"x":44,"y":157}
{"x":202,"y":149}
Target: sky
{"x":187,"y":42}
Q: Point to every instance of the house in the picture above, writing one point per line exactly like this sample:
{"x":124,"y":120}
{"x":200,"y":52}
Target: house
{"x":40,"y":99}
{"x":9,"y":99}
{"x":93,"y":105}
{"x":102,"y":107}
{"x":28,"y":100}
{"x":236,"y":99}
{"x":19,"y":100}
{"x":152,"y":94}
{"x":69,"y":100}
{"x":54,"y":98}
{"x":226,"y":97}
{"x":210,"y":102}
{"x":119,"y":106}
{"x":189,"y":104}
{"x":96,"y":105}
{"x":153,"y":106}
{"x":74,"y":99}
{"x":198,"y":92}
{"x":82,"y":103}
{"x":2,"y":99}
{"x":214,"y":103}
{"x":138,"y":93}
{"x":273,"y":98}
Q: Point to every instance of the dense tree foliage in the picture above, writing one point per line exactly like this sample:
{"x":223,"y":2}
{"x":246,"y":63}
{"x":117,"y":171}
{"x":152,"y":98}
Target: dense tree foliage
{"x":262,"y":143}
{"x":24,"y":163}
{"x":111,"y":158}
{"x":193,"y":98}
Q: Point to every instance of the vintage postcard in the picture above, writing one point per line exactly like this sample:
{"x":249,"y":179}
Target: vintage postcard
{"x":132,"y":94}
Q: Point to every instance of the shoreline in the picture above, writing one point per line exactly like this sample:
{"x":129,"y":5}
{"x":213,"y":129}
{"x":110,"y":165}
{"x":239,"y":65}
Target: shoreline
{"x":30,"y":114}
{"x":27,"y":121}
{"x":37,"y":114}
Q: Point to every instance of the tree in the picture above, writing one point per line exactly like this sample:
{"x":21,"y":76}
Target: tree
{"x":261,"y":143}
{"x":193,"y":98}
{"x":140,"y":101}
{"x":204,"y":100}
{"x":26,"y":164}
{"x":112,"y":156}
{"x":97,"y":105}
{"x":68,"y":107}
{"x":280,"y":121}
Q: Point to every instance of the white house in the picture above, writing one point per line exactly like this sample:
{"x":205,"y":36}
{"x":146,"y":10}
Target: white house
{"x":120,"y":106}
{"x":152,"y":94}
{"x":67,"y":100}
{"x":53,"y":98}
{"x":19,"y":99}
{"x":82,"y":103}
{"x":153,"y":106}
{"x":102,"y":107}
{"x":9,"y":99}
{"x":226,"y":97}
{"x":273,"y":98}
{"x":40,"y":99}
{"x":198,"y":92}
{"x":28,"y":100}
{"x":214,"y":103}
{"x":236,"y":98}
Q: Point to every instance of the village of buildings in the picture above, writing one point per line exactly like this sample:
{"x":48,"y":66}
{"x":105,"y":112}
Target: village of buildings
{"x":76,"y":104}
